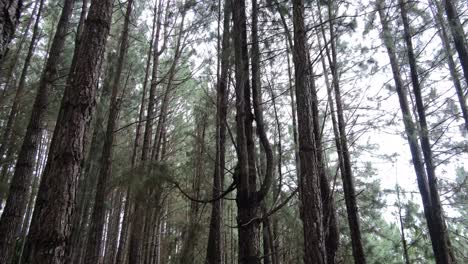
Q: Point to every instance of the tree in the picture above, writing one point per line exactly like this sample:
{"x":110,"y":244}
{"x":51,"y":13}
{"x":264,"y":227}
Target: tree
{"x":309,"y":182}
{"x":17,"y":201}
{"x":214,"y":250}
{"x":439,"y":236}
{"x":11,"y":10}
{"x":99,"y":211}
{"x":50,"y":227}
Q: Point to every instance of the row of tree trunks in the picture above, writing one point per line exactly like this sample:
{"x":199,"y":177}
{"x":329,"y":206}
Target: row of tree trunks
{"x":51,"y":221}
{"x":17,"y":201}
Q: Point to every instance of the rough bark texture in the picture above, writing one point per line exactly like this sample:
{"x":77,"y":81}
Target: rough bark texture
{"x":17,"y":201}
{"x":443,"y":253}
{"x":96,"y":231}
{"x":50,"y":227}
{"x":309,"y":179}
{"x":9,"y":18}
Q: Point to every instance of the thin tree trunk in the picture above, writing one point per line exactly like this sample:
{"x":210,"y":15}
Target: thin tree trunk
{"x":17,"y":201}
{"x":402,"y":228}
{"x":214,"y":251}
{"x":342,"y":145}
{"x":6,"y":140}
{"x":443,"y":253}
{"x":98,"y":216}
{"x":410,"y":128}
{"x":11,"y":11}
{"x":458,"y":35}
{"x":50,"y":227}
{"x":440,"y":22}
{"x":15,"y":58}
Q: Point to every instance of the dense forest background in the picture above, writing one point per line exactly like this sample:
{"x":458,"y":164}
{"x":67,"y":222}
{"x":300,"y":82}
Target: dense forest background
{"x":233,"y":131}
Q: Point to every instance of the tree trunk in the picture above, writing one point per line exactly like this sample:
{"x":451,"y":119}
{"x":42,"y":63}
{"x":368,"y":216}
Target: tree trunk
{"x":342,"y":145}
{"x":458,"y":35}
{"x":7,"y":140}
{"x":17,"y":201}
{"x":11,"y":11}
{"x":436,"y":9}
{"x":443,"y":253}
{"x":98,"y":216}
{"x":309,"y":179}
{"x":214,"y":250}
{"x":410,"y":129}
{"x":50,"y":227}
{"x":245,"y":175}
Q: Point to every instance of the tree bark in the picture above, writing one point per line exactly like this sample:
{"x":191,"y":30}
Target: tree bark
{"x":17,"y":201}
{"x":50,"y":227}
{"x":11,"y":11}
{"x":309,"y":180}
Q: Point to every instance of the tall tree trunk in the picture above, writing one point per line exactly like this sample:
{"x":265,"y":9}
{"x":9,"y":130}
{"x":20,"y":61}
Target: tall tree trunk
{"x":17,"y":201}
{"x":245,"y":175}
{"x":309,"y":180}
{"x":458,"y":34}
{"x":342,"y":144}
{"x":214,"y":250}
{"x":50,"y":227}
{"x":7,"y":140}
{"x":98,"y":216}
{"x":15,"y":58}
{"x":11,"y":11}
{"x":436,"y":9}
{"x":443,"y":253}
{"x":410,"y":128}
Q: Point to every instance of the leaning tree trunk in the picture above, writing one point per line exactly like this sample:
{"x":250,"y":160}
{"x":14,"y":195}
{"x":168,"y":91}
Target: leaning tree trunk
{"x":309,"y":181}
{"x":410,"y":127}
{"x":50,"y":227}
{"x":342,"y":146}
{"x":436,"y":9}
{"x":17,"y":201}
{"x":6,"y":142}
{"x":458,"y":34}
{"x":443,"y":253}
{"x":10,"y":10}
{"x":99,"y":211}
